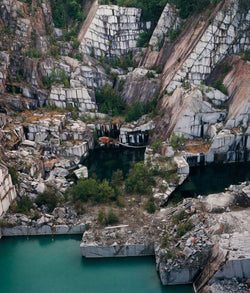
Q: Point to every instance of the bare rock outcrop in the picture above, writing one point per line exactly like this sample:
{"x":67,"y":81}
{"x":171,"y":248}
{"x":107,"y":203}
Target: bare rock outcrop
{"x":137,"y":84}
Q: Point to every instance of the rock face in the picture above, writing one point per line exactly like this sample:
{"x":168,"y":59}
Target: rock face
{"x":136,"y":133}
{"x":4,"y":59}
{"x":113,"y":31}
{"x":136,"y":84}
{"x":7,"y":190}
{"x":226,"y":34}
{"x":217,"y":244}
{"x":169,"y":20}
{"x":88,"y":76}
{"x":189,"y":113}
{"x":237,"y":82}
{"x":197,"y":117}
{"x":116,"y":251}
{"x":43,"y":230}
{"x":76,"y":97}
{"x":228,"y":259}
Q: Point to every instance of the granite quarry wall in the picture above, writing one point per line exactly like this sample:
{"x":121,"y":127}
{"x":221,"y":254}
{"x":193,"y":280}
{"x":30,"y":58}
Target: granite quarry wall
{"x":7,"y":190}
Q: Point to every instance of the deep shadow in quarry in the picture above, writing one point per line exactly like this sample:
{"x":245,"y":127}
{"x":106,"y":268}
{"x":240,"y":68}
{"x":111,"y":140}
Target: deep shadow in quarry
{"x":214,"y":178}
{"x":103,"y":162}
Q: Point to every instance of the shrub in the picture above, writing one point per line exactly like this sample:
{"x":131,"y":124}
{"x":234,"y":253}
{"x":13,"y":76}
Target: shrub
{"x":121,"y":85}
{"x":218,"y":84}
{"x":143,"y":39}
{"x":190,"y":7}
{"x":50,"y":198}
{"x":32,"y":53}
{"x":179,"y":217}
{"x":165,"y":240}
{"x":75,"y":43}
{"x":14,"y":175}
{"x":56,"y":76}
{"x":246,"y":55}
{"x":177,"y":141}
{"x":79,"y":207}
{"x":93,"y":190}
{"x":140,"y":180}
{"x":150,"y":75}
{"x":23,"y":205}
{"x":151,"y":207}
{"x":173,"y":34}
{"x":124,"y":61}
{"x":112,"y":218}
{"x":105,"y":192}
{"x":156,"y":146}
{"x":109,"y":219}
{"x":117,"y":181}
{"x":107,"y":99}
{"x":184,"y":228}
{"x":63,"y":9}
{"x":135,"y":112}
{"x":150,"y":107}
{"x":84,"y":189}
{"x":101,"y":217}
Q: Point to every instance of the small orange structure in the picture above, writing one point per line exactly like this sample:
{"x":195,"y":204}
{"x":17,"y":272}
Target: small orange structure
{"x":105,"y":139}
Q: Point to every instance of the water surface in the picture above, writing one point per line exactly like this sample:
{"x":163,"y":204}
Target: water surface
{"x":103,"y":162}
{"x":212,"y":179}
{"x":40,"y":265}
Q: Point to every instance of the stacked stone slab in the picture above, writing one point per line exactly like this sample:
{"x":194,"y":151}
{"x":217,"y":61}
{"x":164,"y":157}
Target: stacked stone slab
{"x":7,"y":190}
{"x":77,"y":97}
{"x":89,"y":76}
{"x":113,"y":32}
{"x":227,"y":33}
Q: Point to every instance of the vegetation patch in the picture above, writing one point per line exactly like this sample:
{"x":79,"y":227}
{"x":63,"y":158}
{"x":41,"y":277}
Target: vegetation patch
{"x":64,"y":11}
{"x":177,"y":142}
{"x":218,"y":84}
{"x":107,"y":100}
{"x":50,"y":198}
{"x":57,"y":76}
{"x":246,"y":55}
{"x":14,"y":175}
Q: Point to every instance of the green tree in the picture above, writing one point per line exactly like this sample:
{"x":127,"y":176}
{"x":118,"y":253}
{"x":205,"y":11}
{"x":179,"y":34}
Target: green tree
{"x":177,"y":142}
{"x":84,"y":189}
{"x":117,"y":181}
{"x":107,"y":99}
{"x":14,"y":175}
{"x":135,"y":112}
{"x":140,"y":180}
{"x":50,"y":198}
{"x":112,"y":218}
{"x":105,"y":192}
{"x":74,"y":10}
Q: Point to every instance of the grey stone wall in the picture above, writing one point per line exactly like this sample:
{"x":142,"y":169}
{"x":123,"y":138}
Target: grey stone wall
{"x":7,"y":190}
{"x":113,"y":31}
{"x":227,"y":33}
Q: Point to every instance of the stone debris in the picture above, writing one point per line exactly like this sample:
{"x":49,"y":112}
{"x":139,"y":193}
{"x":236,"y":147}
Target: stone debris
{"x":63,"y":220}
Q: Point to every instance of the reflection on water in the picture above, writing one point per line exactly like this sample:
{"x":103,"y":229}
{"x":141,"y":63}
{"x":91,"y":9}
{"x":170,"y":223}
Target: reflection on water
{"x":104,"y":161}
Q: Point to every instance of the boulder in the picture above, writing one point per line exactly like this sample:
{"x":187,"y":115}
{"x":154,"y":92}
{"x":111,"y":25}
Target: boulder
{"x":81,"y":172}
